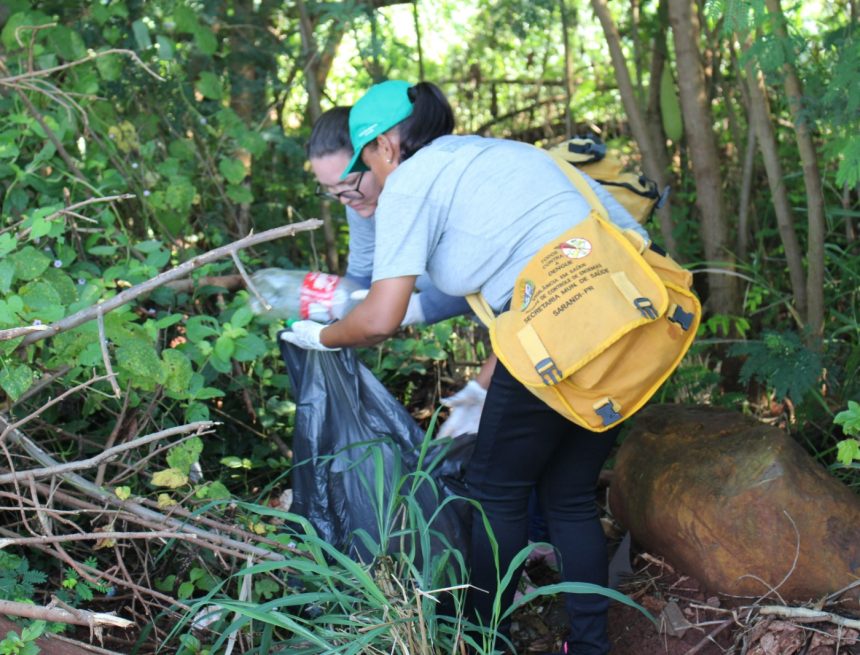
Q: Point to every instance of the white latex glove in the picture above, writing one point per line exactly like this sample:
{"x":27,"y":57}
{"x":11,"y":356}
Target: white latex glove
{"x":466,"y":406}
{"x":306,"y":334}
{"x":414,"y":311}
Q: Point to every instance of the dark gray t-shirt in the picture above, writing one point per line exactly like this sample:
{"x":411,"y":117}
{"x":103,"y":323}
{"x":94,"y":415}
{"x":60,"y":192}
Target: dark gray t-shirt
{"x":472,"y":211}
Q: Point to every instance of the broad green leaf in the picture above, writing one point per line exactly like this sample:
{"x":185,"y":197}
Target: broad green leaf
{"x":240,"y":194}
{"x":182,"y":149}
{"x":224,"y":347}
{"x":140,"y":360}
{"x":205,"y":40}
{"x":15,"y":380}
{"x":180,"y":194}
{"x":670,"y":107}
{"x":183,"y":455}
{"x":102,"y":250}
{"x":67,"y":43}
{"x":249,"y":348}
{"x":196,"y":412}
{"x":214,"y":491}
{"x":29,"y":263}
{"x":209,"y":85}
{"x":7,"y":274}
{"x":848,"y":451}
{"x":10,"y":310}
{"x":178,"y":371}
{"x":141,"y":35}
{"x":208,"y":392}
{"x":165,"y":47}
{"x":11,"y":32}
{"x":110,"y":67}
{"x":42,"y":301}
{"x":123,"y":493}
{"x":8,"y":149}
{"x":171,"y":478}
{"x":198,"y":328}
{"x":167,"y":321}
{"x":185,"y":590}
{"x":185,"y":19}
{"x":149,"y":246}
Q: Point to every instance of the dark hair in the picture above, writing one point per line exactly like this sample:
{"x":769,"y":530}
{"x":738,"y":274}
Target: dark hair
{"x":431,"y":118}
{"x":330,"y":134}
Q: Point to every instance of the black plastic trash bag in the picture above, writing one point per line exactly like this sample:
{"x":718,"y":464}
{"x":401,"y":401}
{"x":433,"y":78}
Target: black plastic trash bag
{"x":349,"y":430}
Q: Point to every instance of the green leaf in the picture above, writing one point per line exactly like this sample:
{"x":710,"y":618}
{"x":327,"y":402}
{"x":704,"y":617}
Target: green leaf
{"x":183,"y":455}
{"x":10,"y":34}
{"x":185,"y":19}
{"x":8,"y":149}
{"x":177,"y":370}
{"x":42,"y":301}
{"x":185,"y":590}
{"x":233,"y":170}
{"x":849,"y":419}
{"x":165,"y":48}
{"x":240,"y":194}
{"x":249,"y":348}
{"x":208,"y":392}
{"x":15,"y":380}
{"x":123,"y":493}
{"x":67,"y":43}
{"x":224,"y":347}
{"x":848,"y":451}
{"x":196,"y":412}
{"x":198,"y":328}
{"x":670,"y":107}
{"x":171,"y":478}
{"x":30,"y":263}
{"x":209,"y":85}
{"x":11,"y":309}
{"x":141,"y":35}
{"x":102,"y":250}
{"x":205,"y":40}
{"x":139,"y":359}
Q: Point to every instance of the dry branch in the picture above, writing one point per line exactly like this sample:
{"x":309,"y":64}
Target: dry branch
{"x":201,"y":427}
{"x":144,"y":288}
{"x":78,"y":617}
{"x":806,"y":615}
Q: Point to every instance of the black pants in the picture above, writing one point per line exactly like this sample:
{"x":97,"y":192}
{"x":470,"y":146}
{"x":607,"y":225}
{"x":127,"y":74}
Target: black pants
{"x":523,"y":444}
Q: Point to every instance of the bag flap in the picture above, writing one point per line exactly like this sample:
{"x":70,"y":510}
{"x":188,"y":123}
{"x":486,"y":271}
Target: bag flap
{"x":580,"y":293}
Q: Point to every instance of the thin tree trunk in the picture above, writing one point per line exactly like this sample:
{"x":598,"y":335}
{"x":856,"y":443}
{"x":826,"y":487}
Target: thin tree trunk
{"x":315,"y":110}
{"x":761,"y":121}
{"x":746,"y":193}
{"x":812,"y":182}
{"x":655,"y":160}
{"x":418,"y":40}
{"x":568,"y":69}
{"x":698,"y":128}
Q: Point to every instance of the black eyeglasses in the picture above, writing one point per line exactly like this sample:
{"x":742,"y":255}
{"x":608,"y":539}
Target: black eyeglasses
{"x":348,"y":194}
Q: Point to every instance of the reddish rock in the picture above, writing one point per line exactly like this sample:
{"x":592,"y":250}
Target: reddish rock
{"x":733,"y":501}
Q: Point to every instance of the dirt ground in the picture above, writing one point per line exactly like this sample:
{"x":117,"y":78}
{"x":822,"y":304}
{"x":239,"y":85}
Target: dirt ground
{"x":693,"y":622}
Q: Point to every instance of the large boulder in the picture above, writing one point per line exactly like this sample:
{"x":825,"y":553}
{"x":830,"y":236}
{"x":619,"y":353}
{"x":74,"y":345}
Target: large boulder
{"x":734,"y":502}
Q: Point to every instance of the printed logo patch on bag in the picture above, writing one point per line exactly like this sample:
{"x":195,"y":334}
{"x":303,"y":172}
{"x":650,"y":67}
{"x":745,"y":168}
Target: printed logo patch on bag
{"x":576,"y":248}
{"x":528,"y":291}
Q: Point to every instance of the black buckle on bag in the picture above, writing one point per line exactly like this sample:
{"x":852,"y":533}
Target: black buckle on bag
{"x":548,"y":371}
{"x":680,"y":317}
{"x":645,"y":307}
{"x":608,"y":411}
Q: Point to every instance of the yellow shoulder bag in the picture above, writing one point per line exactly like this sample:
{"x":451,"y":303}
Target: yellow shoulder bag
{"x":598,"y":319}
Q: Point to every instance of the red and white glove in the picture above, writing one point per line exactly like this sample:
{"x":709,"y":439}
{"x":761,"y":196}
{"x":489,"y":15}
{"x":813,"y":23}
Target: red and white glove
{"x":466,"y":406}
{"x":306,"y":334}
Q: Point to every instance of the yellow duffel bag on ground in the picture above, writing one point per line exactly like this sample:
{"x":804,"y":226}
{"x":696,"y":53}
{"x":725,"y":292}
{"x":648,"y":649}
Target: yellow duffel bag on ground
{"x":598,"y":320}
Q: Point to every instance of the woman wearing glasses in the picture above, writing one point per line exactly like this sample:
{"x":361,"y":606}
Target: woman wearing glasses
{"x":472,"y":212}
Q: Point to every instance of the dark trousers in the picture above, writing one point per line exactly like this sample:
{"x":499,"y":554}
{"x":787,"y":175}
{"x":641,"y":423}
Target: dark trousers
{"x":523,"y":445}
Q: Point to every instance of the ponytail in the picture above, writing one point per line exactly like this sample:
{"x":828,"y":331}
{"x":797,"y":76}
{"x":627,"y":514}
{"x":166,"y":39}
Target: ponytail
{"x":431,"y":118}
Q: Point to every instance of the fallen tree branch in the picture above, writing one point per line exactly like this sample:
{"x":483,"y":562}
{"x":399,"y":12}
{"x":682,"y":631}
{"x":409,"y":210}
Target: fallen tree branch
{"x":806,"y":615}
{"x":93,"y":536}
{"x":58,"y":615}
{"x":201,"y":427}
{"x":144,"y":288}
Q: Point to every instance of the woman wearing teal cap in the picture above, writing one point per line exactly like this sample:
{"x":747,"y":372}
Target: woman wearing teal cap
{"x":472,"y":212}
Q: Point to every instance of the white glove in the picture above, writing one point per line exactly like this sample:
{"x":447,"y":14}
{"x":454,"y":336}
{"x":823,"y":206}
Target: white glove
{"x":414,"y":311}
{"x":306,"y":334}
{"x":466,"y":406}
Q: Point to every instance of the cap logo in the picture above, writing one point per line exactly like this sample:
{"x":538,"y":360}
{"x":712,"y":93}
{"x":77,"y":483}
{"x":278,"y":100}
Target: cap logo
{"x":367,"y":131}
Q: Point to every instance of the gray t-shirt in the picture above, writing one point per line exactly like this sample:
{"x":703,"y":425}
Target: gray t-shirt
{"x":472,"y":211}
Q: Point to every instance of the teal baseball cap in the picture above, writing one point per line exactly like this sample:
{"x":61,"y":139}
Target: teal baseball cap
{"x":381,"y":108}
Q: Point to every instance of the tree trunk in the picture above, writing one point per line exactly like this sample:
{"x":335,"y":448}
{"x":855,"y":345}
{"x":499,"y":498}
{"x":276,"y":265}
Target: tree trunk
{"x":655,"y":161}
{"x":418,"y":40}
{"x":314,"y":90}
{"x":698,"y":129}
{"x":761,"y":121}
{"x":747,"y":172}
{"x":812,"y":181}
{"x":568,"y":69}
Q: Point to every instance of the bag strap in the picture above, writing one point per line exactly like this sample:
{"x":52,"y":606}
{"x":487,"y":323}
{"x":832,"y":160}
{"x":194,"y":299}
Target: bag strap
{"x":481,"y":308}
{"x":577,"y":179}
